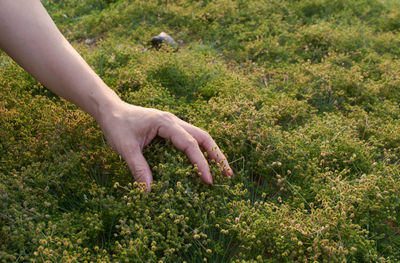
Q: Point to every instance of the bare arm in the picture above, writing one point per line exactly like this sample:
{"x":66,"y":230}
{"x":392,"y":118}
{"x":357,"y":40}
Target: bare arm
{"x":30,"y":37}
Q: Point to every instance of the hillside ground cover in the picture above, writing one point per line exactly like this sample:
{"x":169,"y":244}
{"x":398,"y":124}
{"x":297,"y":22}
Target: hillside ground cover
{"x":302,"y":96}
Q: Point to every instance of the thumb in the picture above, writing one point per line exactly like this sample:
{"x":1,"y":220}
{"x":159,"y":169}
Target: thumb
{"x":140,"y":168}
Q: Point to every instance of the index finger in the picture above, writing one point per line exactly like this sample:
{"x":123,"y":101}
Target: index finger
{"x":184,"y":142}
{"x":209,"y":145}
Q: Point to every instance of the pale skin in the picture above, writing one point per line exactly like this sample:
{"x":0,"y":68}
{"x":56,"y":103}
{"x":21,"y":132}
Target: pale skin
{"x":30,"y":37}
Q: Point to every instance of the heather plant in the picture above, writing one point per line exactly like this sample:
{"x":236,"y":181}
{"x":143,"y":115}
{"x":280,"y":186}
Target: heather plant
{"x":302,"y":97}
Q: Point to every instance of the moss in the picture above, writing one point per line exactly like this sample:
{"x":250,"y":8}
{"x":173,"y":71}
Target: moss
{"x":302,"y":96}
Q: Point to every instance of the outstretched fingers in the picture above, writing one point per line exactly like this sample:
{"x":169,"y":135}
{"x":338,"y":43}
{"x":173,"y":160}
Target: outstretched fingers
{"x":209,"y":145}
{"x":184,"y":142}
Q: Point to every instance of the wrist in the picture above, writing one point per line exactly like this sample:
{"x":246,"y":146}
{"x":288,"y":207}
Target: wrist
{"x":103,"y":102}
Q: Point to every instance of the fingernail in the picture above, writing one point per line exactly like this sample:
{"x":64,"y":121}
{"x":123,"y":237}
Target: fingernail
{"x":210,"y":180}
{"x":229,"y":172}
{"x":148,"y":186}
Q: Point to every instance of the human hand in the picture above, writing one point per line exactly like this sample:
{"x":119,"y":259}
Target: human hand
{"x":128,"y":129}
{"x":30,"y":37}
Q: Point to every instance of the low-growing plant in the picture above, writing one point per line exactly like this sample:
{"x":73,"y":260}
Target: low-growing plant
{"x":302,"y":97}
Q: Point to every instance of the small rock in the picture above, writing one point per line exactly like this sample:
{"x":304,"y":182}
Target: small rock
{"x":157,"y":41}
{"x":91,"y":41}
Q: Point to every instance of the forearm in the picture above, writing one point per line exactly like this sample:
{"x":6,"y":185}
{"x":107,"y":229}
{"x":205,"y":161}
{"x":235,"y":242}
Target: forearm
{"x":30,"y":37}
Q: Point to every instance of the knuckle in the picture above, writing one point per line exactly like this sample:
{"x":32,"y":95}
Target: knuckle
{"x":205,"y":135}
{"x":205,"y":138}
{"x":166,"y":117}
{"x":191,"y":143}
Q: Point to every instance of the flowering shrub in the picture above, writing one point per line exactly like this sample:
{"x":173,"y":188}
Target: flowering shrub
{"x":302,"y":96}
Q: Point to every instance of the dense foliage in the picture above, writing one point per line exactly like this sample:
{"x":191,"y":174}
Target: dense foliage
{"x":302,"y":96}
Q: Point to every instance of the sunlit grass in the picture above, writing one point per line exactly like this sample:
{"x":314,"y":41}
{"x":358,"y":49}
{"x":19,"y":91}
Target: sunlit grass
{"x":302,"y":96}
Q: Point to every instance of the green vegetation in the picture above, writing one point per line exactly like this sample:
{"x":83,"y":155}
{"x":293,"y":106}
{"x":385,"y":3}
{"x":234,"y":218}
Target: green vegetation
{"x":302,"y":96}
